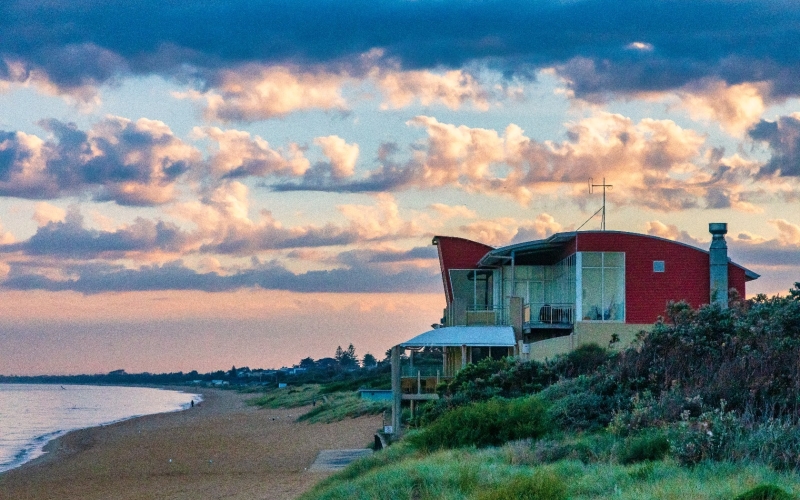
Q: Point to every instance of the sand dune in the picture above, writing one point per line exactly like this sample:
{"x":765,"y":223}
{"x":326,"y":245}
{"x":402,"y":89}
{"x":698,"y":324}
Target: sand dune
{"x":219,"y":449}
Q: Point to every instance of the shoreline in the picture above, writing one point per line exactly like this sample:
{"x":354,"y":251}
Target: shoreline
{"x":220,"y":448}
{"x":49,"y":445}
{"x":43,"y":445}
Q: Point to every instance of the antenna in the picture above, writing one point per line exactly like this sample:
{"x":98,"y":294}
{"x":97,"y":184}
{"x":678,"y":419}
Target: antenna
{"x":591,"y":190}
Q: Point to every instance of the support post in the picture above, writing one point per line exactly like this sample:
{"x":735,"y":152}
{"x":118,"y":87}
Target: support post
{"x":397,"y":393}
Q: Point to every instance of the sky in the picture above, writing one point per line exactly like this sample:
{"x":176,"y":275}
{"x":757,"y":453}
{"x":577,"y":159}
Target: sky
{"x":200,"y":184}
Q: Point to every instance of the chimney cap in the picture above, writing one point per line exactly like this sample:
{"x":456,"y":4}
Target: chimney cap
{"x":718,"y":228}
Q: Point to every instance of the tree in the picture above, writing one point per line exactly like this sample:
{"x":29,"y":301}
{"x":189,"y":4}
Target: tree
{"x":233,"y":371}
{"x":369,"y":361}
{"x":307,"y":363}
{"x":351,"y":355}
{"x":346,"y":359}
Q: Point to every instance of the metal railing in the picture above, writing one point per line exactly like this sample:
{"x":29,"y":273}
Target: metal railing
{"x":549,"y":313}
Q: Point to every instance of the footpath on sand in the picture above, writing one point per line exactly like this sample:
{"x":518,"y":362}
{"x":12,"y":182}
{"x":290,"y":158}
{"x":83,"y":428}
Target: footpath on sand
{"x":221,"y":448}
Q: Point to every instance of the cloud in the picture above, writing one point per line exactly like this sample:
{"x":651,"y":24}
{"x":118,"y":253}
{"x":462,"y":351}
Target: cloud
{"x":449,"y":212}
{"x":654,"y":164}
{"x":46,"y":213}
{"x":69,"y":239}
{"x":506,"y":230}
{"x":342,"y":156}
{"x":223,"y":224}
{"x":357,"y":258}
{"x":237,"y":154}
{"x":254,"y":93}
{"x":671,"y":232}
{"x":452,"y":88}
{"x":788,"y":233}
{"x":222,"y":227}
{"x":260,"y":92}
{"x":783,"y":139}
{"x":735,"y":107}
{"x":6,"y":238}
{"x":84,"y":44}
{"x":131,"y":163}
{"x":177,"y":276}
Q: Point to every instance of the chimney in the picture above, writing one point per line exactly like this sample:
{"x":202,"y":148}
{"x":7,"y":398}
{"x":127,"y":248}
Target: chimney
{"x":718,"y":260}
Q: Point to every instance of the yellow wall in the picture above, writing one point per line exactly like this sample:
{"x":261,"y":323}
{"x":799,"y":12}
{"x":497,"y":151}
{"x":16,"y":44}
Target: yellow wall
{"x":586,"y":332}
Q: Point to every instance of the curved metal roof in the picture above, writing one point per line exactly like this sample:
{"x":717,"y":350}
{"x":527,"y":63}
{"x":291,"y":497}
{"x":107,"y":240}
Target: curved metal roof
{"x":549,"y":249}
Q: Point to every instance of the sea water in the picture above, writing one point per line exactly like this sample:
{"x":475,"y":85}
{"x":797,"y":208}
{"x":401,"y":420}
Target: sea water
{"x":33,"y":414}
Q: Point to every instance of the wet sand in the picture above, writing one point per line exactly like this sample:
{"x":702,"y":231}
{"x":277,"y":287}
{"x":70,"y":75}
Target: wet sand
{"x":221,"y":448}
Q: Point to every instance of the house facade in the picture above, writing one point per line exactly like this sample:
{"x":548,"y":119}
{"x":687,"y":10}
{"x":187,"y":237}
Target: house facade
{"x":580,"y":287}
{"x":542,"y":298}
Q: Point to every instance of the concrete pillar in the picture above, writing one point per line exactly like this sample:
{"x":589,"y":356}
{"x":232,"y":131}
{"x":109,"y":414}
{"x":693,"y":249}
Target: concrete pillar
{"x":397,"y":392}
{"x":718,"y":264}
{"x":516,"y":316}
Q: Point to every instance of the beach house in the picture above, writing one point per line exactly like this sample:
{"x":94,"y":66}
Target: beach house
{"x":542,"y":298}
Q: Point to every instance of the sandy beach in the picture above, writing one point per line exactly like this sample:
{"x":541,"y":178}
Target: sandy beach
{"x":221,"y":448}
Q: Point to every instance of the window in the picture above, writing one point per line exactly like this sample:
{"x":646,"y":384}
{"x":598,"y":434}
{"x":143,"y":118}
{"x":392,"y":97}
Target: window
{"x":474,"y":287}
{"x":603,"y":283}
{"x":658,"y":266}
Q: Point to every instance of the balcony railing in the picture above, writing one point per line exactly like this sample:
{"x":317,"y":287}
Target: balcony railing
{"x":486,"y":316}
{"x":424,"y":371}
{"x":549,"y":314}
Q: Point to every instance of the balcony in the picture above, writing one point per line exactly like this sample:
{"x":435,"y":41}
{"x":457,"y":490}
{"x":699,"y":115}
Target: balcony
{"x":549,"y":315}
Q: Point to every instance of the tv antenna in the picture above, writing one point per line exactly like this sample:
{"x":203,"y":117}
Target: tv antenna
{"x":592,"y":187}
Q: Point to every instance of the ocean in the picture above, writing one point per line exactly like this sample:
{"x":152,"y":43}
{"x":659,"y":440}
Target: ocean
{"x":33,"y":414}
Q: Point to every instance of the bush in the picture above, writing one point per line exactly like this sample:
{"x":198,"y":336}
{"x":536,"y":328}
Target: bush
{"x":584,"y":360}
{"x":508,"y":378}
{"x":582,"y":403}
{"x":765,"y":492}
{"x":489,"y":423}
{"x":539,"y":486}
{"x":746,"y":354}
{"x":651,"y":445}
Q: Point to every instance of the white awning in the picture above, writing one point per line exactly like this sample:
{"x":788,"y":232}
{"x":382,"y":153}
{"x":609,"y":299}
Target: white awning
{"x":472,"y":336}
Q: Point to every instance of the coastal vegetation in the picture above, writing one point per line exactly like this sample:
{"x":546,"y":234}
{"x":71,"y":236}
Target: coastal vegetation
{"x":705,"y":405}
{"x":327,"y":405}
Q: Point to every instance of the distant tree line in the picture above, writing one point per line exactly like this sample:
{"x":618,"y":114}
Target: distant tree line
{"x":344,"y":361}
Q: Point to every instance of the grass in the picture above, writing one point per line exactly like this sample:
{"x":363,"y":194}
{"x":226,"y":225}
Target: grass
{"x":339,"y":406}
{"x":483,"y":424}
{"x":288,"y":397}
{"x":326,"y":407}
{"x":493,"y":473}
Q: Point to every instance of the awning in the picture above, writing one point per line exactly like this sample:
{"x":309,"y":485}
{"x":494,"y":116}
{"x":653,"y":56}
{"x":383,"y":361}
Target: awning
{"x":538,"y":252}
{"x":472,"y":336}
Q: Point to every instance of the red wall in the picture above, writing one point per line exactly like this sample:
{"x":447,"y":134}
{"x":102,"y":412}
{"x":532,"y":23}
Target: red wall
{"x":686,"y":275}
{"x":458,"y":253}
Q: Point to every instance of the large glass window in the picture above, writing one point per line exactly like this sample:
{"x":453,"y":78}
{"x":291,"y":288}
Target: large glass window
{"x":603,"y":282}
{"x":474,"y":287}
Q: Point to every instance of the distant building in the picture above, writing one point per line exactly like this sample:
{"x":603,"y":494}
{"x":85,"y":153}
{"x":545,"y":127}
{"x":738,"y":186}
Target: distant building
{"x":546,"y":297}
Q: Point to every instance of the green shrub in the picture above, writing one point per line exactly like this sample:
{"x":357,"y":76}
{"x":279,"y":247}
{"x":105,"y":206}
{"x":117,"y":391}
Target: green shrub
{"x":765,"y":492}
{"x":489,"y":423}
{"x":584,"y":360}
{"x":581,"y":403}
{"x":539,"y":486}
{"x":651,"y":445}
